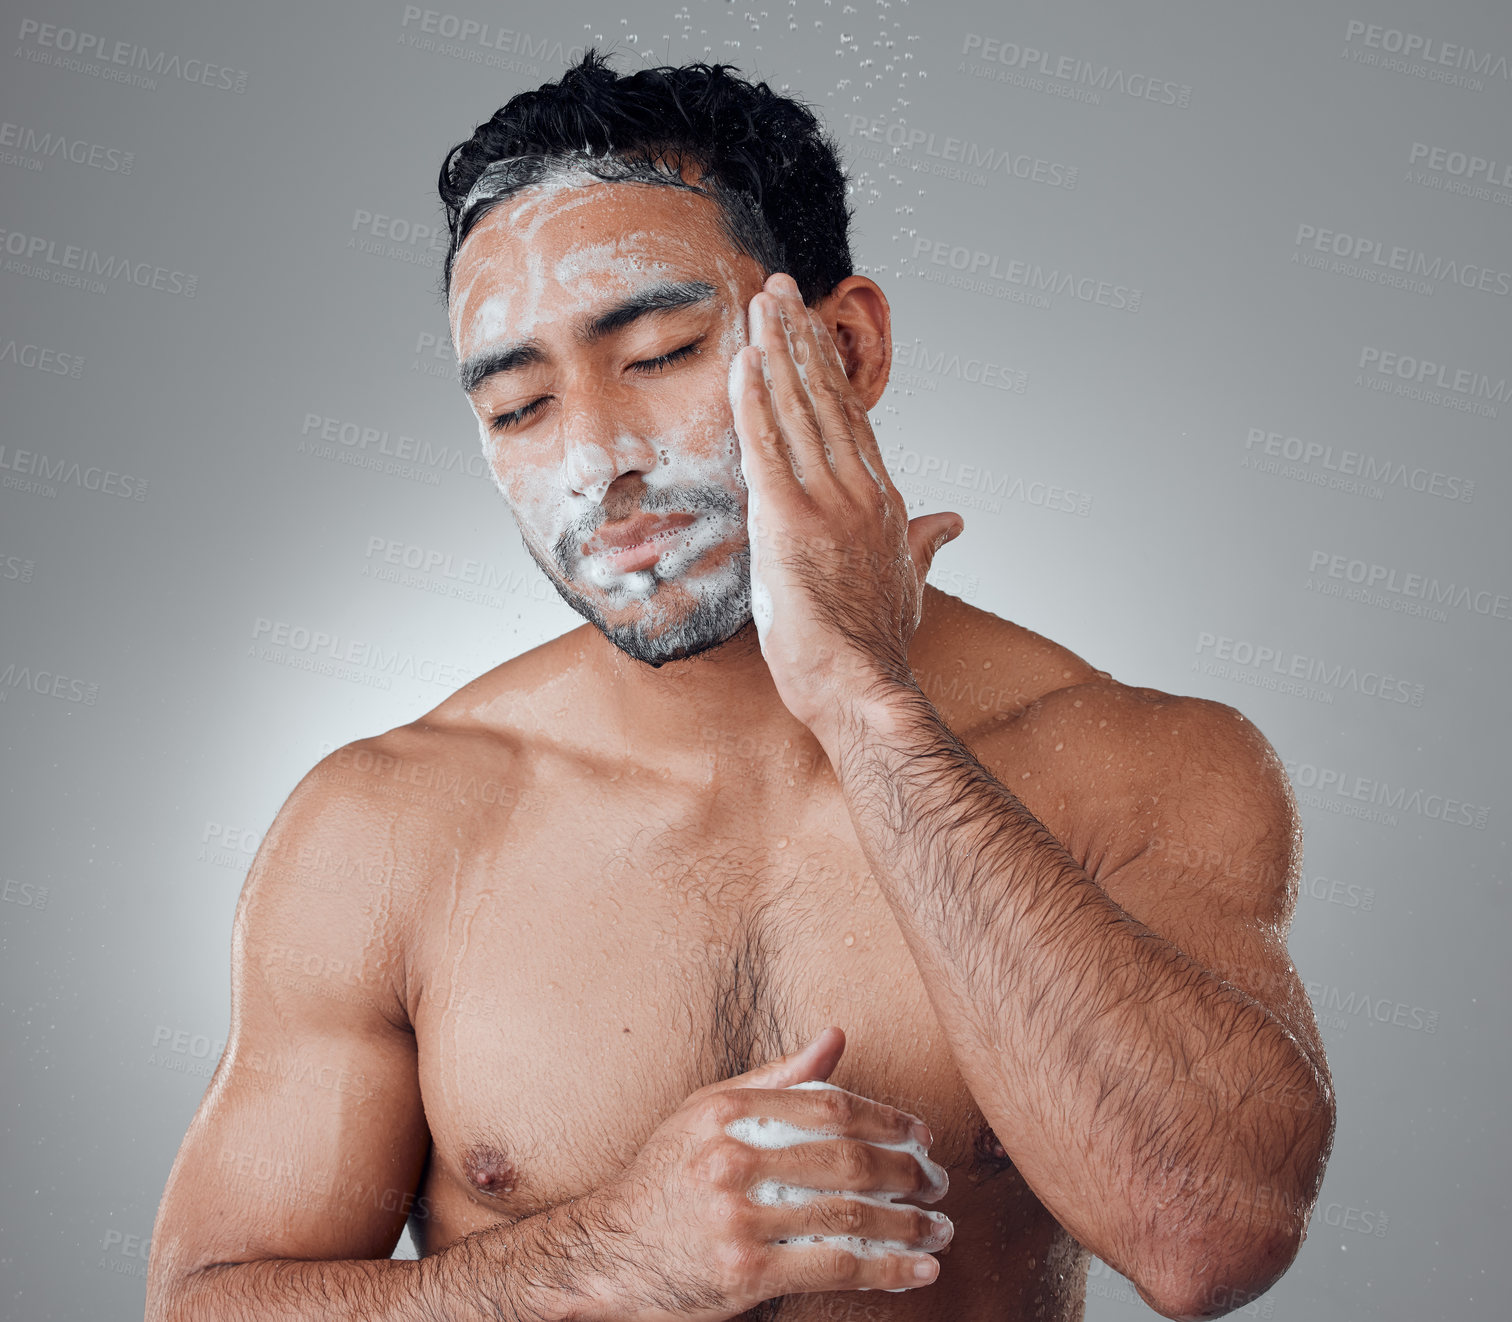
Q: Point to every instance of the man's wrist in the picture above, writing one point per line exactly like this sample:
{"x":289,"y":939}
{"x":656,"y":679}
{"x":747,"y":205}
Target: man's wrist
{"x":548,"y":1267}
{"x":887,"y":712}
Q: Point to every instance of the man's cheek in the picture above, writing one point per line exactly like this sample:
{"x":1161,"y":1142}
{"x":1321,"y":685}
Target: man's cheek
{"x":540,"y":511}
{"x":702,"y":450}
{"x":536,"y":498}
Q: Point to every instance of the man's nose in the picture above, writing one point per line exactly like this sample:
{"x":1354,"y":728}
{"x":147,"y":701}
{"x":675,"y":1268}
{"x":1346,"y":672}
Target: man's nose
{"x":603,"y":445}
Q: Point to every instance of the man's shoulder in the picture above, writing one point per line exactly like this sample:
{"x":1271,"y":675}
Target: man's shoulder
{"x":424,"y":773}
{"x":1180,"y":780}
{"x":473,"y":745}
{"x":1145,"y":728}
{"x":1143,"y":753}
{"x":985,"y":672}
{"x":1003,"y":667}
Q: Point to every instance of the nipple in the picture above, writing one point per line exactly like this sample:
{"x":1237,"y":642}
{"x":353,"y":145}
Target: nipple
{"x":490,"y":1171}
{"x":990,"y":1149}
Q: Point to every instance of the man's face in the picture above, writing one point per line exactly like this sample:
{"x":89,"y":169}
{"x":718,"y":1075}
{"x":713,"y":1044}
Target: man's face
{"x":603,"y":436}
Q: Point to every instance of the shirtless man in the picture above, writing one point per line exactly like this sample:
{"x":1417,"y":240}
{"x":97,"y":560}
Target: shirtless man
{"x":537,"y":972}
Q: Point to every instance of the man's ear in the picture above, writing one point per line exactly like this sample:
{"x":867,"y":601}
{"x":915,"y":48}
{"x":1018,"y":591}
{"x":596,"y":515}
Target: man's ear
{"x":859,"y":321}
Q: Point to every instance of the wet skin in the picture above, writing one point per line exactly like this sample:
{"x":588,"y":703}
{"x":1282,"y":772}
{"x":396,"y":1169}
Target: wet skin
{"x":710,"y":929}
{"x":635,"y":421}
{"x":628,"y":920}
{"x":537,"y":918}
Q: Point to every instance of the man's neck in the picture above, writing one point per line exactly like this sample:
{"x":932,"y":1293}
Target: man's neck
{"x":724,"y":698}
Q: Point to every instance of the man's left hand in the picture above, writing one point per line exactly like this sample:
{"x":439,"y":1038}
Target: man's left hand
{"x":837,"y":567}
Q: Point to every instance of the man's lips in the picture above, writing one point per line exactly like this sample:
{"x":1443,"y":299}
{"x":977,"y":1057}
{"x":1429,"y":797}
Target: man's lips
{"x":629,"y":533}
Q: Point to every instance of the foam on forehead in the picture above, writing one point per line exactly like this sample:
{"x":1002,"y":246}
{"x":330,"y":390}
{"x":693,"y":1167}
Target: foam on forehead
{"x":544,"y":200}
{"x":502,"y":176}
{"x":556,"y":194}
{"x":532,"y":207}
{"x":591,"y":259}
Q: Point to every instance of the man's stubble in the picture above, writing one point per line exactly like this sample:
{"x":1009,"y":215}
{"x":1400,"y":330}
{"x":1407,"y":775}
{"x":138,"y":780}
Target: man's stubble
{"x":715,"y":611}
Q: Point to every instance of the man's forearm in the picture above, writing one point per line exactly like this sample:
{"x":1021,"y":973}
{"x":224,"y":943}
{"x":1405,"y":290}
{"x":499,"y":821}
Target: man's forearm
{"x":1148,"y":1102}
{"x":545,"y":1268}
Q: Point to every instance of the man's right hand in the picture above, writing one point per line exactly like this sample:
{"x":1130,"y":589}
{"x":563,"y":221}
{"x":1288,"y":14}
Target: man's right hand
{"x":726,"y":1205}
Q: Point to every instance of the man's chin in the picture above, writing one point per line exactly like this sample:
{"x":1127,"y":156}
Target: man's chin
{"x":656,"y":657}
{"x":701,"y":632}
{"x":700,"y":623}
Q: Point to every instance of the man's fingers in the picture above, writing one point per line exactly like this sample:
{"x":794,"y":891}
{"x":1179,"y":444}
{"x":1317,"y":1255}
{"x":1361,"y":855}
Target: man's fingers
{"x":832,"y":1111}
{"x":850,"y":1163}
{"x":762,"y":447}
{"x":772,"y":327}
{"x":829,"y":386}
{"x":813,"y":351}
{"x":859,"y":457}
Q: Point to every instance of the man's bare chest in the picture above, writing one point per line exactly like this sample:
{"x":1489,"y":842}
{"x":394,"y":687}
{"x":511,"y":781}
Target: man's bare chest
{"x":577,"y":978}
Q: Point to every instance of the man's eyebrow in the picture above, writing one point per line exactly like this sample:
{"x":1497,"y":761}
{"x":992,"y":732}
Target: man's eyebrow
{"x":660,"y":296}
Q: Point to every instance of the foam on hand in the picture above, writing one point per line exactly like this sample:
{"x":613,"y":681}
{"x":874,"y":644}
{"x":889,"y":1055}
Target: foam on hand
{"x":763,"y":1132}
{"x":761,"y":596}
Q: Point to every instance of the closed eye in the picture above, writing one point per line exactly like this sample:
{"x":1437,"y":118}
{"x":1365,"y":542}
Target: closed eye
{"x":504,"y":421}
{"x":654,"y":364}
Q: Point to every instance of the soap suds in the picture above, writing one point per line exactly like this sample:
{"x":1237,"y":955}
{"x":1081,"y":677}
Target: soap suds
{"x":769,"y":1133}
{"x":761,"y":597}
{"x":690,"y":463}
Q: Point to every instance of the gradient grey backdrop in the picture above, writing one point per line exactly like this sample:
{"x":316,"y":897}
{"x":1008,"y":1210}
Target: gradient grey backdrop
{"x":242,"y":441}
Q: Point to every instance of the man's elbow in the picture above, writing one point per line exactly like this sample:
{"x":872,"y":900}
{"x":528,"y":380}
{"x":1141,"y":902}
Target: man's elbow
{"x":179,"y":1293}
{"x":1222,"y":1256}
{"x":1204,"y":1282}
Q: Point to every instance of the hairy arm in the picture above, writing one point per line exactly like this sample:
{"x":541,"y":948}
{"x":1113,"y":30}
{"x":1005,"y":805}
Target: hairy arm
{"x":545,"y":1268}
{"x":1140,"y":1043}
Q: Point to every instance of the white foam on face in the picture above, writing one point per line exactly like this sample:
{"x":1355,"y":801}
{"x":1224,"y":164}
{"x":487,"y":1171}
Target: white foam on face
{"x":761,"y":596}
{"x":770,"y":1133}
{"x":679,"y":466}
{"x":493,"y":316}
{"x":522,"y":215}
{"x":698,"y":450}
{"x":608,"y":258}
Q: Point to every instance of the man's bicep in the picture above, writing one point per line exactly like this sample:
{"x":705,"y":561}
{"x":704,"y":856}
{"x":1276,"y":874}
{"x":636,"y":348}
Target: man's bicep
{"x":1214,"y":865}
{"x":305,"y":1153}
{"x":310,"y":1140}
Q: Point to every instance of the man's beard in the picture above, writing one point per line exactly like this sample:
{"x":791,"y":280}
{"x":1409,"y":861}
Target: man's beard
{"x":711,"y":618}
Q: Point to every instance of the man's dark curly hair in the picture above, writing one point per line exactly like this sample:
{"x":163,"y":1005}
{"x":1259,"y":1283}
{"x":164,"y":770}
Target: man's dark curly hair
{"x":763,"y":157}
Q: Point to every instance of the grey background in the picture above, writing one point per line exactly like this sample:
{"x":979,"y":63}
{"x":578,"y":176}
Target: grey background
{"x":151,"y":733}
